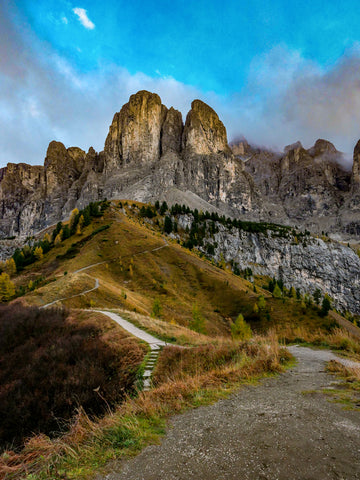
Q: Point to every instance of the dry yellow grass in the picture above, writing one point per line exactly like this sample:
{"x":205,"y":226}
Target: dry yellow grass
{"x":138,"y":421}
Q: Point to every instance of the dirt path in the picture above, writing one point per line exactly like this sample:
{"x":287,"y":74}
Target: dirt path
{"x":277,"y":430}
{"x":73,"y":296}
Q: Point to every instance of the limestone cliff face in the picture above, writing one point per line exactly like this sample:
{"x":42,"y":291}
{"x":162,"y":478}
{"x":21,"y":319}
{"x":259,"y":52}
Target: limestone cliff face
{"x":22,"y":190}
{"x":35,"y":196}
{"x":204,"y":133}
{"x":134,"y":136}
{"x":308,"y":265}
{"x":303,"y":187}
{"x":63,"y":168}
{"x":150,"y":154}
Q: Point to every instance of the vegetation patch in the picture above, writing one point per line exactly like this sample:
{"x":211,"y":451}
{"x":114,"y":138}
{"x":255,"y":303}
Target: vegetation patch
{"x":348,"y":391}
{"x":53,"y":362}
{"x":91,"y":444}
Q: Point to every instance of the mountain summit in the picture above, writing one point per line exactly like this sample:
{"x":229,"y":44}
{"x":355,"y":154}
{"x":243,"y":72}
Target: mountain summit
{"x":151,"y":154}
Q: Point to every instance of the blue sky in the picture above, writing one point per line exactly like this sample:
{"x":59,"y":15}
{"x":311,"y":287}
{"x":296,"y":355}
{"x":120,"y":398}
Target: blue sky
{"x":274,"y":71}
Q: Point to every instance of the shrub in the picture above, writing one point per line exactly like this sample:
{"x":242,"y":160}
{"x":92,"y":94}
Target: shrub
{"x":51,"y":364}
{"x":261,"y":302}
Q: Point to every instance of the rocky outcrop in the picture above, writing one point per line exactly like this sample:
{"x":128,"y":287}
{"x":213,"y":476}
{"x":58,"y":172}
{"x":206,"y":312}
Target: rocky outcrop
{"x":135,"y":133}
{"x":308,"y":188}
{"x":150,"y":154}
{"x":22,"y":190}
{"x":204,"y":133}
{"x":307,"y":263}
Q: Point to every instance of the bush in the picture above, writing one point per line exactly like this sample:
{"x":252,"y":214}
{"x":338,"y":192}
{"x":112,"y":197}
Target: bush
{"x":51,"y":364}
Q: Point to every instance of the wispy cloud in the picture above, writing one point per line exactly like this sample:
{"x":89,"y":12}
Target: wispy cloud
{"x":83,"y":18}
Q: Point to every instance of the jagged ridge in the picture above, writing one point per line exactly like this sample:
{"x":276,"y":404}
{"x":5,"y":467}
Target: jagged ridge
{"x":150,"y":154}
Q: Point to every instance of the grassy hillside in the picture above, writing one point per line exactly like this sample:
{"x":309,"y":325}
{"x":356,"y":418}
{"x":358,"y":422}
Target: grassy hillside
{"x":142,"y":271}
{"x":127,"y":264}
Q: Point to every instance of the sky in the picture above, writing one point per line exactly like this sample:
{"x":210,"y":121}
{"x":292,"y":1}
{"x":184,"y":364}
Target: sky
{"x":275,"y":72}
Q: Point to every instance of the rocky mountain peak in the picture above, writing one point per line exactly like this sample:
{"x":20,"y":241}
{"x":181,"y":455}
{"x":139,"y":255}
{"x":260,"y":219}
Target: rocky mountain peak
{"x":241,"y":148}
{"x":293,"y":146}
{"x":134,"y":135}
{"x":56,"y":153}
{"x":204,"y":133}
{"x":322,"y":147}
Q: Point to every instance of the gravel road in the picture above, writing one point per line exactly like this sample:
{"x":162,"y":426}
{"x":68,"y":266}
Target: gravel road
{"x":273,"y":431}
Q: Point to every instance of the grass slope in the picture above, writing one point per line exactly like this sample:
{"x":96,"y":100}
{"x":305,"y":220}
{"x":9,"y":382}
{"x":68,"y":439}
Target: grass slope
{"x":137,"y":266}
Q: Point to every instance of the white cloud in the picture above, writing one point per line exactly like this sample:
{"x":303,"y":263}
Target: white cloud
{"x":287,"y":98}
{"x":83,"y":18}
{"x":64,"y":20}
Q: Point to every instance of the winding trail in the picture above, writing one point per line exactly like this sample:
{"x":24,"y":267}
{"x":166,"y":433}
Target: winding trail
{"x":97,"y":284}
{"x":283,"y":429}
{"x":155,"y":344}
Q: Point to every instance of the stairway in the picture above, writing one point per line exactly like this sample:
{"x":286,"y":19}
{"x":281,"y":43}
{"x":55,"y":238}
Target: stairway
{"x":150,"y":364}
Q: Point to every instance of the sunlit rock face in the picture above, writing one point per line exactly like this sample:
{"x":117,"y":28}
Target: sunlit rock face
{"x":151,"y":154}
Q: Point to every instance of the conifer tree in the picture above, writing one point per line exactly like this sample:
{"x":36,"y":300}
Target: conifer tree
{"x":57,"y":240}
{"x":240,"y":330}
{"x":7,"y":288}
{"x":38,"y":253}
{"x":10,"y":267}
{"x":73,"y":220}
{"x":277,"y":292}
{"x":261,"y":302}
{"x":47,"y":238}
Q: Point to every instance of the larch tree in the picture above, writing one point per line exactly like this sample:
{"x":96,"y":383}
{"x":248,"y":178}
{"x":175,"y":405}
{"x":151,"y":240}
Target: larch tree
{"x":7,"y":288}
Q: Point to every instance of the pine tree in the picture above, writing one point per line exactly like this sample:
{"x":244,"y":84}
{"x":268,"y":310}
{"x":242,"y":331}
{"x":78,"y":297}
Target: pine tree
{"x":317,"y":296}
{"x":164,"y":208}
{"x":292,"y":292}
{"x":65,"y":232}
{"x":168,"y":226}
{"x":325,"y":306}
{"x":256,"y":308}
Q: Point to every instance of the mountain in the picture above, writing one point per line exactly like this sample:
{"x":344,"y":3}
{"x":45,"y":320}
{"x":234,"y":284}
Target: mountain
{"x":151,"y":154}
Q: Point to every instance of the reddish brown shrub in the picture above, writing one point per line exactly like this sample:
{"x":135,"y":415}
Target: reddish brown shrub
{"x":51,"y":364}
